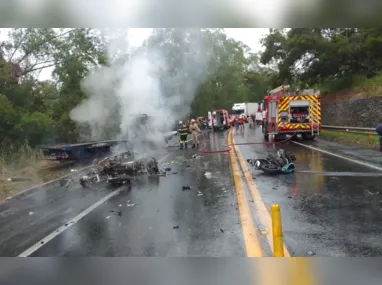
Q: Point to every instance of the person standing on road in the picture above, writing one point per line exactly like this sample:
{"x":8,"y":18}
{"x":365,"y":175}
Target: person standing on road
{"x":378,"y":129}
{"x":195,"y":131}
{"x":250,"y":120}
{"x":241,"y":122}
{"x":183,"y":132}
{"x":236,"y":124}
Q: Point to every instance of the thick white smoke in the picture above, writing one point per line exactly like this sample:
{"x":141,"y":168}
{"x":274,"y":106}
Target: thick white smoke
{"x":159,"y":80}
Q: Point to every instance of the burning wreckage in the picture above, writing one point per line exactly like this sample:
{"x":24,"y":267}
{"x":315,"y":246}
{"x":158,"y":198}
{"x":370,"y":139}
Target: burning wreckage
{"x":120,"y":169}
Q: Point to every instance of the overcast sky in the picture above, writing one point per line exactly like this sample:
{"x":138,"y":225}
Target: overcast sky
{"x":250,"y":36}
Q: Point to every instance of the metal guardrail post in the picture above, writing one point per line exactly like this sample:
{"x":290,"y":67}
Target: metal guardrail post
{"x":348,"y":128}
{"x":278,"y":243}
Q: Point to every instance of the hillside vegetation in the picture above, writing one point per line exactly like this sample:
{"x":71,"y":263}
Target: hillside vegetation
{"x":330,"y":59}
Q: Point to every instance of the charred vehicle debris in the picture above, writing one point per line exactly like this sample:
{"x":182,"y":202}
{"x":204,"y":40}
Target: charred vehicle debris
{"x":281,"y":163}
{"x":120,"y":169}
{"x":117,"y":170}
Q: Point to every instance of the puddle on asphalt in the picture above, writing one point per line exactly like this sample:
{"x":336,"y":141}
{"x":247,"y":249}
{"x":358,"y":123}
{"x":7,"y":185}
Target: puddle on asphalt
{"x":352,"y":174}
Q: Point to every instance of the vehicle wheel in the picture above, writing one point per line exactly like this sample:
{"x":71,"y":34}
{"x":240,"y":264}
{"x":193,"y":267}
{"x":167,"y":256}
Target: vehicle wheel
{"x":280,"y":137}
{"x":308,"y":137}
{"x":84,"y":184}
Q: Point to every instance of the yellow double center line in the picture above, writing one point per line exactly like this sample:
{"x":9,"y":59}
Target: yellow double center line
{"x":251,"y":234}
{"x":251,"y":239}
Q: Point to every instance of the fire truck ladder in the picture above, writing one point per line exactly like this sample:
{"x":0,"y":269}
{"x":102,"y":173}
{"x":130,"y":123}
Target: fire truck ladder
{"x":314,"y":119}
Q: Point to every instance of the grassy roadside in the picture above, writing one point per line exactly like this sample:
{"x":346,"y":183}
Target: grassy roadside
{"x":345,"y":137}
{"x":27,"y":163}
{"x":36,"y":174}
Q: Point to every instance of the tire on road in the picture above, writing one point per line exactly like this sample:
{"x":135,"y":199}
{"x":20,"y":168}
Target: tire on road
{"x":309,"y":137}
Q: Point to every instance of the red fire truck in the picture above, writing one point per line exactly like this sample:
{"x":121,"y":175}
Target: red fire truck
{"x":290,"y":113}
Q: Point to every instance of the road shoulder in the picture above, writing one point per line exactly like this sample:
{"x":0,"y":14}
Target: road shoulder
{"x":365,"y":157}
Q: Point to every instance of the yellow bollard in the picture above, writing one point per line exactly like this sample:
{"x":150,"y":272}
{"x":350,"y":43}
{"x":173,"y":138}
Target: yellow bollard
{"x":340,"y":133}
{"x":277,"y":229}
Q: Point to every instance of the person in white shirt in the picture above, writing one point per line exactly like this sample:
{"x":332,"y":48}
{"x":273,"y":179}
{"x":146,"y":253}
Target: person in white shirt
{"x":259,"y":117}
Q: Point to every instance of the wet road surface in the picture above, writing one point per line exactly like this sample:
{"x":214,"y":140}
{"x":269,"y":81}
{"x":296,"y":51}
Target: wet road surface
{"x":153,"y":217}
{"x":330,"y":206}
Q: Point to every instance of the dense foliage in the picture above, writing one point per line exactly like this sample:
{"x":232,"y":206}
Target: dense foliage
{"x":37,"y":112}
{"x":330,"y":58}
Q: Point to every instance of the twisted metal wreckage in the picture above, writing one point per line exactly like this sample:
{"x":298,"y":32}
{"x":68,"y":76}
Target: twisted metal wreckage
{"x":281,"y":163}
{"x":116,"y":171}
{"x":120,"y":169}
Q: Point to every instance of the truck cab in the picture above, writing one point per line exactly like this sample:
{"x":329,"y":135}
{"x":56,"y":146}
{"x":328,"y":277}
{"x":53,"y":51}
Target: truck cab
{"x":239,"y":109}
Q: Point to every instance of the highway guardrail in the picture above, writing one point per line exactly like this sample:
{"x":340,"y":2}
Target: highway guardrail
{"x":354,"y":130}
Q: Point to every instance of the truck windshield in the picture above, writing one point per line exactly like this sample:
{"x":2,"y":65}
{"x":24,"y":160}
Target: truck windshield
{"x":238,"y":112}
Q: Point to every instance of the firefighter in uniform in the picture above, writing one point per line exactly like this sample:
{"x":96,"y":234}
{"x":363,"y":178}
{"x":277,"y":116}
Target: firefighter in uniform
{"x":183,"y":132}
{"x":195,"y":131}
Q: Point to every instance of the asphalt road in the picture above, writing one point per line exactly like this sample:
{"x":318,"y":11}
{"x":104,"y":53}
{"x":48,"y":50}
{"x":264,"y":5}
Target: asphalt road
{"x":330,"y":207}
{"x":153,"y":217}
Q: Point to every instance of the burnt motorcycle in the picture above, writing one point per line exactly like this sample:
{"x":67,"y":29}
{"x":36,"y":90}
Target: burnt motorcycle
{"x":281,"y":163}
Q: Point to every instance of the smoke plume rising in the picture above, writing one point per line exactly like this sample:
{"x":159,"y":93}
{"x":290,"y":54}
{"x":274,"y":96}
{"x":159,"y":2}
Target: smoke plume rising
{"x":160,"y":79}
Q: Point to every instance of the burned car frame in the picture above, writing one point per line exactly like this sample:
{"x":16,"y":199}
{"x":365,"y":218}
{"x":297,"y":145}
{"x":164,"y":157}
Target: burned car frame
{"x":120,"y":169}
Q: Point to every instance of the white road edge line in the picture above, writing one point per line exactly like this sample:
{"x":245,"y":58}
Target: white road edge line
{"x":340,"y":156}
{"x":46,"y":183}
{"x":67,"y":225}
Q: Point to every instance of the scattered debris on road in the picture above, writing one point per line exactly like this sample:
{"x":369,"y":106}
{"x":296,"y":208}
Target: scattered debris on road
{"x":281,"y":163}
{"x":167,"y":169}
{"x":371,"y":193}
{"x":200,"y":193}
{"x":108,"y":217}
{"x":208,"y":175}
{"x":262,"y":230}
{"x":176,"y":227}
{"x":120,"y":169}
{"x":31,"y":213}
{"x":310,"y":253}
{"x":222,"y":230}
{"x":186,"y":187}
{"x":131,"y":205}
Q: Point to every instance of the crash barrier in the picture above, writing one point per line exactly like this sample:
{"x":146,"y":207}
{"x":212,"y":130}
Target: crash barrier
{"x":354,"y":130}
{"x":277,"y":231}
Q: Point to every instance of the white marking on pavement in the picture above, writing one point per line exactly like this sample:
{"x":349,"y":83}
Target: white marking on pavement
{"x":67,"y":225}
{"x":340,"y":156}
{"x":46,"y":183}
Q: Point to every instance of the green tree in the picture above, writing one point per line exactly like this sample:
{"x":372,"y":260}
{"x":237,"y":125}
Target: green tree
{"x":333,"y":57}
